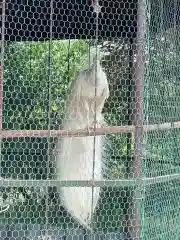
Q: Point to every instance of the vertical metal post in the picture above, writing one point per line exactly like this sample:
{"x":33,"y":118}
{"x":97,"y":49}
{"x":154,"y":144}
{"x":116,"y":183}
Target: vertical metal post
{"x":2,"y":19}
{"x":130,"y":90}
{"x":130,"y":107}
{"x":1,"y":92}
{"x":49,"y":122}
{"x":138,"y":119}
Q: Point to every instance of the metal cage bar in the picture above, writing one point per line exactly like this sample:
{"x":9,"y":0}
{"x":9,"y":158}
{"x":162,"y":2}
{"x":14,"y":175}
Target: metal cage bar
{"x":138,"y":129}
{"x":82,"y":132}
{"x":90,"y":183}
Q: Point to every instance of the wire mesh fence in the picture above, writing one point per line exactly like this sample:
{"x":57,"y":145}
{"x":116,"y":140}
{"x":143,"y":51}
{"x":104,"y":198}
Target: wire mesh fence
{"x":89,"y":120}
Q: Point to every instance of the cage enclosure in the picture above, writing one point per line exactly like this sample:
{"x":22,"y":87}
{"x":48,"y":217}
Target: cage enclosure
{"x":44,"y":47}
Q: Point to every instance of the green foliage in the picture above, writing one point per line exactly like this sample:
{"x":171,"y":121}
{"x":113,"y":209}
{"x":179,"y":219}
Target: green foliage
{"x":31,"y":69}
{"x":161,"y":104}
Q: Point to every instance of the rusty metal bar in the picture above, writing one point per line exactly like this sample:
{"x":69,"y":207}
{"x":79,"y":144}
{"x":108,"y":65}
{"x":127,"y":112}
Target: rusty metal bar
{"x":81,"y":133}
{"x":65,"y":133}
{"x":139,"y":75}
{"x":138,"y":118}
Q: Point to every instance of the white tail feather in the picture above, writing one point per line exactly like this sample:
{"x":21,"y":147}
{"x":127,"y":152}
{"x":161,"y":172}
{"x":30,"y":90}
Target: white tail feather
{"x":75,"y":155}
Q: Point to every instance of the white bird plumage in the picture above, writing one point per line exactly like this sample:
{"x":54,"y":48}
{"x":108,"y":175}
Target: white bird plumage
{"x":74,"y":157}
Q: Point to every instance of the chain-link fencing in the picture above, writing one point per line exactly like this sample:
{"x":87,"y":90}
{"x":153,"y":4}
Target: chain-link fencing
{"x":89,"y":116}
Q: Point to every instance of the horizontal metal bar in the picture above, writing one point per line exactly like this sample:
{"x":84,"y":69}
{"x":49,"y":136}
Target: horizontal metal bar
{"x":68,"y":183}
{"x":89,"y":183}
{"x":65,"y":133}
{"x":161,"y":179}
{"x":81,"y":132}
